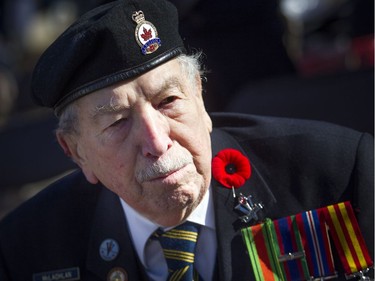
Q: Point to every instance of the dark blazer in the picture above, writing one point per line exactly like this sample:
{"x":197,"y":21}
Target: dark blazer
{"x":296,"y":166}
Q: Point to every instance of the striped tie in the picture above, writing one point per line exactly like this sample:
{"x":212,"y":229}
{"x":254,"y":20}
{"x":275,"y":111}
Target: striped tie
{"x":179,"y":247}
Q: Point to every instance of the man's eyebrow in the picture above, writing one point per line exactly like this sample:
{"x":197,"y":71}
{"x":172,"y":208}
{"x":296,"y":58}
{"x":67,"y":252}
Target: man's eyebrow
{"x":170,"y":83}
{"x":107,"y":109}
{"x":112,"y":107}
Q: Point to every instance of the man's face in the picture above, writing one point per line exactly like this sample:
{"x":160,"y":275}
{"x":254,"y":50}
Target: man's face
{"x":148,"y":140}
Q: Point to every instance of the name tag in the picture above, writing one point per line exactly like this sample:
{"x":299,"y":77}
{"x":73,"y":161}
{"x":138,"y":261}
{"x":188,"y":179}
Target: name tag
{"x":68,"y":274}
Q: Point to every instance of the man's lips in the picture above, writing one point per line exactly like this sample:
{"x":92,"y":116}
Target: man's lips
{"x":163,"y":167}
{"x":171,"y":176}
{"x":165,"y":175}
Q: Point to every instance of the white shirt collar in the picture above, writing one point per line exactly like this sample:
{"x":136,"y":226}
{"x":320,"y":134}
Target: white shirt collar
{"x":141,"y":228}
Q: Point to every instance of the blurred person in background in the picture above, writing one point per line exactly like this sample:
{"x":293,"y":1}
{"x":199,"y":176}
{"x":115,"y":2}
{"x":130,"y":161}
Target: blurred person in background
{"x":8,"y":93}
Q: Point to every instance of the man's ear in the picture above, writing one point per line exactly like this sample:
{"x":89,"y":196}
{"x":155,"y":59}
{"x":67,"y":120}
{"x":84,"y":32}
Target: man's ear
{"x":69,"y":145}
{"x":64,"y":144}
{"x":71,"y":148}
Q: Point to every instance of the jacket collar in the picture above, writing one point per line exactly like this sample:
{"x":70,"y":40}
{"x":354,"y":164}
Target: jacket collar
{"x":233,"y":261}
{"x":108,"y":224}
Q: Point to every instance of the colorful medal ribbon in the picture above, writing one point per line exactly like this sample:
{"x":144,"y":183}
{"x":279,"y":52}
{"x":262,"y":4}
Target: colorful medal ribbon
{"x":276,"y":250}
{"x":314,"y":234}
{"x":298,"y":247}
{"x":347,"y":238}
{"x":261,"y":252}
{"x":289,"y":249}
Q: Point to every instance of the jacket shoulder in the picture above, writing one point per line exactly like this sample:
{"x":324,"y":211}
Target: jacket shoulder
{"x":277,"y":126}
{"x":66,"y":199}
{"x":305,"y":159}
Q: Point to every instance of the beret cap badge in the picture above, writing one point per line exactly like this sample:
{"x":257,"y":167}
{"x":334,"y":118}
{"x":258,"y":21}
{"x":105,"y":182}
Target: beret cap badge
{"x":146,"y":34}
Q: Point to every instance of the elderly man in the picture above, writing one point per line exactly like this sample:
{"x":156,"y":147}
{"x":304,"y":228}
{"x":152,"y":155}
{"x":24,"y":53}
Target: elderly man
{"x":143,"y":204}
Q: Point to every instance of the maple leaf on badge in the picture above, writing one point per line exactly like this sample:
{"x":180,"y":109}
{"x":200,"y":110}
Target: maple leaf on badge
{"x":147,"y":34}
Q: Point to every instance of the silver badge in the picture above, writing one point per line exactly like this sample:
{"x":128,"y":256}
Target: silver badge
{"x":248,"y":208}
{"x":146,"y":34}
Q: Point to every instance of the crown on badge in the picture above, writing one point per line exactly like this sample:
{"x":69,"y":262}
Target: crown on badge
{"x":138,"y":17}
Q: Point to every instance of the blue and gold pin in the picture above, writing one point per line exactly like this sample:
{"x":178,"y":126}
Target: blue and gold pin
{"x":109,"y":249}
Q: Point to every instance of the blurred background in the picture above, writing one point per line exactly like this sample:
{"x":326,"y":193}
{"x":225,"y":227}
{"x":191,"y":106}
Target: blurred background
{"x":311,"y":59}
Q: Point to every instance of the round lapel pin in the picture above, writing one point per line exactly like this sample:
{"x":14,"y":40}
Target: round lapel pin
{"x":109,"y":249}
{"x":117,"y":274}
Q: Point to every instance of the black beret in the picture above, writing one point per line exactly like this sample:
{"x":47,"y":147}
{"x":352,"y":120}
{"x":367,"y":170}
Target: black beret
{"x":111,"y":43}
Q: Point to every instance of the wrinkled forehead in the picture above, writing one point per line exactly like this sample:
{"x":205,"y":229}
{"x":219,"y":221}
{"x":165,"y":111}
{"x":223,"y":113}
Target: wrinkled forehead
{"x":118,"y":96}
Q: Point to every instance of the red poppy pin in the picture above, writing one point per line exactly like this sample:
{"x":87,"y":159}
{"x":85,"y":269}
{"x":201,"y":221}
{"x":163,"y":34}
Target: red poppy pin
{"x":231,"y":168}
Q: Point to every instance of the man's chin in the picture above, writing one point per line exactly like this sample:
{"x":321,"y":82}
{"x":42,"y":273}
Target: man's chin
{"x":175,"y":206}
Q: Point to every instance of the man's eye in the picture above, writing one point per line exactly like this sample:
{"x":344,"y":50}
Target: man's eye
{"x":118,"y":122}
{"x":167,"y":100}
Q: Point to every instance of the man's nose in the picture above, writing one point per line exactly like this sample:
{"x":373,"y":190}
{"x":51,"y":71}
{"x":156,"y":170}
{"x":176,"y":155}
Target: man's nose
{"x":154,"y":133}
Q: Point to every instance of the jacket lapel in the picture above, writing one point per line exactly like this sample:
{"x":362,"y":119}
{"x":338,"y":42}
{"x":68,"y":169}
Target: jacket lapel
{"x":233,"y":260}
{"x":110,"y":223}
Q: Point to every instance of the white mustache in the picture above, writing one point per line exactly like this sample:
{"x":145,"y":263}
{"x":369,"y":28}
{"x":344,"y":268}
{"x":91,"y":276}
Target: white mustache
{"x":164,"y":166}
